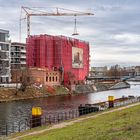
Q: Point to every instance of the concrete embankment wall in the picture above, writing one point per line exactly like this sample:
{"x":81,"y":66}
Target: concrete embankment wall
{"x":85,"y":88}
{"x":120,"y":85}
{"x":100,"y":87}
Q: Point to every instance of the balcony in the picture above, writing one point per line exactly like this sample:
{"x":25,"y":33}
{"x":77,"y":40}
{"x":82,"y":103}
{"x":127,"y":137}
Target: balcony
{"x":23,"y":62}
{"x":23,"y":51}
{"x":15,"y":56}
{"x":23,"y":56}
{"x":15,"y":49}
{"x":15,"y":62}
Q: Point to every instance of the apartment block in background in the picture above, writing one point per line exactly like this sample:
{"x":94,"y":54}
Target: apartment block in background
{"x":5,"y":76}
{"x":98,"y":71}
{"x":18,"y":55}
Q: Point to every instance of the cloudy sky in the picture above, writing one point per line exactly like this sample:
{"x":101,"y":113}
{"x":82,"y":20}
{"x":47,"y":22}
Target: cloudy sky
{"x":113,"y":32}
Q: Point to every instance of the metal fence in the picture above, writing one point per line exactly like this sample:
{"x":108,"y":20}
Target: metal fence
{"x":51,"y":118}
{"x":9,"y":128}
{"x":26,"y":124}
{"x":127,"y":102}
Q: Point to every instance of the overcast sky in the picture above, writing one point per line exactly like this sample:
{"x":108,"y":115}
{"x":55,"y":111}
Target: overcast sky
{"x":113,"y":32}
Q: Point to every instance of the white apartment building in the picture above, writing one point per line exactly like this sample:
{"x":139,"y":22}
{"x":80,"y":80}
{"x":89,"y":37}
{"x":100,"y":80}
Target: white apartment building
{"x":5,"y":60}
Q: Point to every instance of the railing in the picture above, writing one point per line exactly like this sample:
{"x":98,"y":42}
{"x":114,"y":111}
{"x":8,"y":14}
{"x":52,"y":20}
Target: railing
{"x":23,"y":56}
{"x":9,"y":128}
{"x":26,"y":124}
{"x":57,"y":117}
{"x":126,"y":102}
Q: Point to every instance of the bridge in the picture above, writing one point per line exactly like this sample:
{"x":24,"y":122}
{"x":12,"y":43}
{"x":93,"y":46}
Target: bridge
{"x":112,"y":78}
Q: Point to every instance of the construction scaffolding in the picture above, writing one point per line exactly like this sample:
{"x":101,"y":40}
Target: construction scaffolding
{"x":40,"y":51}
{"x":56,"y":53}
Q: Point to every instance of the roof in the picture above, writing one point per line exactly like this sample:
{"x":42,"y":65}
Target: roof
{"x":18,"y":43}
{"x":4,"y":31}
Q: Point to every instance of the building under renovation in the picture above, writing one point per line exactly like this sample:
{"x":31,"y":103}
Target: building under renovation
{"x":5,"y":75}
{"x":59,"y":53}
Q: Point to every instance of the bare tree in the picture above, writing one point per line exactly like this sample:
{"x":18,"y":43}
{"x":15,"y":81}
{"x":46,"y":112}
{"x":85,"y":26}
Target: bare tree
{"x":71,"y":77}
{"x":114,"y":71}
{"x":25,"y":79}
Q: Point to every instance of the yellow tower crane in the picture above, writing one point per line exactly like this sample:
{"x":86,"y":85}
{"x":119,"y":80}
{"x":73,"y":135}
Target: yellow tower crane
{"x":37,"y":11}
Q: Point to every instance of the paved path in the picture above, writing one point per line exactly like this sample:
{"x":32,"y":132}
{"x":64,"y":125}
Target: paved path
{"x":64,"y":124}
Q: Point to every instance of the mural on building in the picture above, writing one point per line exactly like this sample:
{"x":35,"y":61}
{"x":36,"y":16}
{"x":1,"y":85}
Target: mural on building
{"x":77,"y":57}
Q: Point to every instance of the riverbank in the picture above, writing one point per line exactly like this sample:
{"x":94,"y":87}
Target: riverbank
{"x":117,"y":124}
{"x":12,"y":94}
{"x":101,"y":86}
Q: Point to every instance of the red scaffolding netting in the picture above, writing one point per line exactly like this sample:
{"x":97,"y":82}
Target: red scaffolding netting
{"x":59,"y":52}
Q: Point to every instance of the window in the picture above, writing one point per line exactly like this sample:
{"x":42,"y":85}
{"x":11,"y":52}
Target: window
{"x":4,"y":79}
{"x":50,"y":78}
{"x":4,"y":47}
{"x":56,"y":78}
{"x":47,"y":78}
{"x":2,"y":37}
{"x":53,"y":78}
{"x":0,"y":80}
{"x":20,"y":79}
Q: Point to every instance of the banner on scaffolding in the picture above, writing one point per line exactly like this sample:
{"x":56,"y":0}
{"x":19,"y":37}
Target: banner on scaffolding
{"x":77,"y":57}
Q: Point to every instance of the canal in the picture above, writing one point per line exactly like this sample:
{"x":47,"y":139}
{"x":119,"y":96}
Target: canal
{"x":17,"y":110}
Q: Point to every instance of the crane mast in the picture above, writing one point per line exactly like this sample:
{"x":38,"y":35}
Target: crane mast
{"x":32,"y":12}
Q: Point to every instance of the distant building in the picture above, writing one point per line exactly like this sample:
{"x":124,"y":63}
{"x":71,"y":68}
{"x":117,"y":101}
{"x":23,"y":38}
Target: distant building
{"x":137,"y":70}
{"x":129,"y":71}
{"x":5,"y":60}
{"x":98,"y":71}
{"x":18,"y":55}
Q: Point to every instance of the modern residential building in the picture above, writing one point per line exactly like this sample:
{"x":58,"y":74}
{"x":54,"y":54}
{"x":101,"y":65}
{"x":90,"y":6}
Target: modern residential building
{"x":5,"y":60}
{"x":18,"y":55}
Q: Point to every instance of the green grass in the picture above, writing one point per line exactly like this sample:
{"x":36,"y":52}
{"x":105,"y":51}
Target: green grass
{"x":121,"y":125}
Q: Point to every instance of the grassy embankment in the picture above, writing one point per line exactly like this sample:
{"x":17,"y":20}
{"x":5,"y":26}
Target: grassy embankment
{"x":120,"y":125}
{"x":9,"y":94}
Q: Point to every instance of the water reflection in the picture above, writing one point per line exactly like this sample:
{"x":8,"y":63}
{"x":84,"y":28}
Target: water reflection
{"x":17,"y":110}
